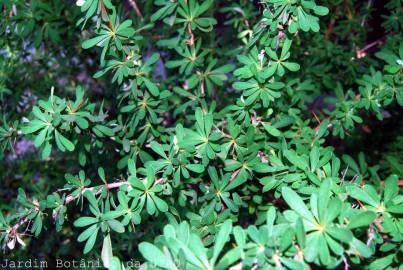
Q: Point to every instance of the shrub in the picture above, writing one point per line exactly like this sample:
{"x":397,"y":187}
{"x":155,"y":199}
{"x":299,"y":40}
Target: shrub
{"x":195,"y":134}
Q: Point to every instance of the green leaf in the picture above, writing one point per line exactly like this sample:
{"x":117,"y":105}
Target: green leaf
{"x":286,"y":47}
{"x":37,"y":226}
{"x":91,"y":198}
{"x":115,"y":264}
{"x":341,"y":234}
{"x":87,"y":233}
{"x":161,"y":205}
{"x":382,"y":263}
{"x":360,"y":194}
{"x":105,"y":130}
{"x":159,"y":13}
{"x":131,"y":166}
{"x":361,"y":220}
{"x":296,"y":203}
{"x":33,"y":126}
{"x":82,"y":123}
{"x":94,"y":41}
{"x":291,"y":66}
{"x":351,"y":163}
{"x":116,"y":226}
{"x":150,"y":205}
{"x":64,"y":141}
{"x":151,"y":87}
{"x":312,"y":246}
{"x":154,"y":255}
{"x":197,"y":168}
{"x":272,"y":130}
{"x":303,"y":20}
{"x":321,"y":10}
{"x":39,"y":114}
{"x":85,"y":221}
{"x":111,"y":215}
{"x":40,"y":138}
{"x":221,"y":238}
{"x":323,"y":199}
{"x":270,"y":217}
{"x":362,"y":248}
{"x":153,"y":59}
{"x":157,"y":148}
{"x":295,"y":159}
{"x":314,"y":158}
{"x":91,"y":242}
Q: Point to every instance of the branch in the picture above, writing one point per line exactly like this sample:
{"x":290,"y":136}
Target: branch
{"x":360,"y":53}
{"x":136,"y":8}
{"x":365,"y":15}
{"x":191,"y":39}
{"x":20,"y":223}
{"x":68,"y":200}
{"x":71,"y":198}
{"x":104,"y":11}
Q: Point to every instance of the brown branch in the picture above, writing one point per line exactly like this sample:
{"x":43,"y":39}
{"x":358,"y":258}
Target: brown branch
{"x":136,"y":8}
{"x":104,"y":11}
{"x":191,"y":40}
{"x":330,"y":28}
{"x":365,"y":16}
{"x":234,"y":175}
{"x":71,"y":198}
{"x":360,"y":53}
{"x":68,"y":200}
{"x":20,"y":223}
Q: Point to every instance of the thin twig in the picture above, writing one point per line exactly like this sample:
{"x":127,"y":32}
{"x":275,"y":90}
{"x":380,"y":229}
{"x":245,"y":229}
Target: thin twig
{"x":346,"y":265}
{"x":365,"y":15}
{"x":191,"y":40}
{"x":104,"y":11}
{"x":136,"y":8}
{"x":70,"y":199}
{"x":360,"y":53}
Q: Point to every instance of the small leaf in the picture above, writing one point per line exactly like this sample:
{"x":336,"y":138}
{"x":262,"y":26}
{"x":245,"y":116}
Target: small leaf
{"x":115,"y":264}
{"x":361,"y":220}
{"x":65,"y":142}
{"x":272,"y":130}
{"x":197,"y":168}
{"x":116,"y":226}
{"x":295,"y":159}
{"x":270,"y":217}
{"x":221,"y":238}
{"x":291,"y":66}
{"x":321,"y":10}
{"x":156,"y":256}
{"x":151,"y":87}
{"x":296,"y":203}
{"x":94,"y":41}
{"x":91,"y":242}
{"x":360,"y":194}
{"x":157,"y":148}
{"x":85,"y":221}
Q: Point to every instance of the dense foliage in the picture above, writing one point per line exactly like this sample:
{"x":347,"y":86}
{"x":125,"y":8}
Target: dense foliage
{"x":201,"y":134}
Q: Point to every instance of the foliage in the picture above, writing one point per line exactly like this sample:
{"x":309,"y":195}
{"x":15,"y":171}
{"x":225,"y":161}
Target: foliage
{"x":197,"y":134}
